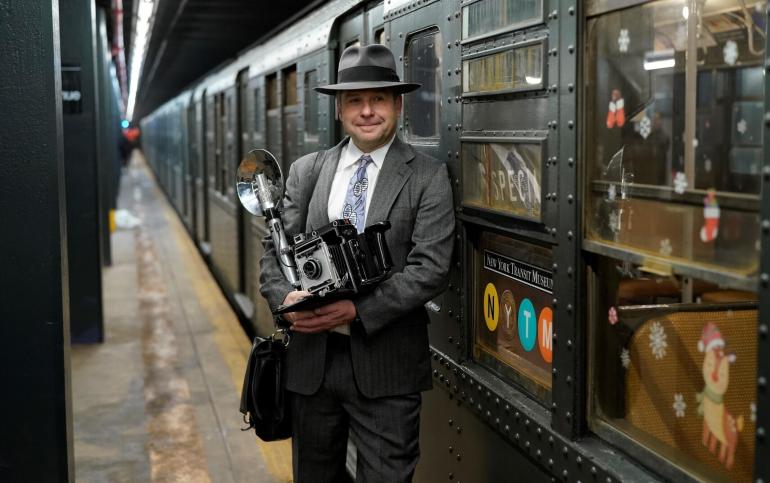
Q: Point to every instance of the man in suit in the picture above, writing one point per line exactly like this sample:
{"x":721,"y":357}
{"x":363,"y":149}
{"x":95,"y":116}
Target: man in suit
{"x":358,"y":366}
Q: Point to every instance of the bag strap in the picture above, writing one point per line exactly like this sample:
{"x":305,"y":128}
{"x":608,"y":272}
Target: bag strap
{"x":308,"y":189}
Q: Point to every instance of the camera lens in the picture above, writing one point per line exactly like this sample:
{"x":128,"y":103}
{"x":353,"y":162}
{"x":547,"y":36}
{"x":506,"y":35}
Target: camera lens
{"x":311,"y":268}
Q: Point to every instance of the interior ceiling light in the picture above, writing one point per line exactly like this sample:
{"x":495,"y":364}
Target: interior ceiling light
{"x":140,"y":40}
{"x":663,"y":59}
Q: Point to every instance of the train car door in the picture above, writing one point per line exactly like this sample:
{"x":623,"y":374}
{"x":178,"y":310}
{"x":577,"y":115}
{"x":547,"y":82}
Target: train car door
{"x":193,"y":157}
{"x":243,"y":145}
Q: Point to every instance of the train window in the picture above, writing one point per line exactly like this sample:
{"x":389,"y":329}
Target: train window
{"x":503,"y":176}
{"x":379,"y":36}
{"x":513,"y":69}
{"x":422,"y":108}
{"x":257,"y":111}
{"x":290,"y":86}
{"x":272,"y":91}
{"x":311,"y":103}
{"x":487,"y":17}
{"x":353,"y":43}
{"x":512,"y":315}
{"x":673,"y":148}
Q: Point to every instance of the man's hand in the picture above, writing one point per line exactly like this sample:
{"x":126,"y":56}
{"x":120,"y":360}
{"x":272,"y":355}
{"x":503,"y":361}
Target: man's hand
{"x":325,"y":317}
{"x":294,"y":297}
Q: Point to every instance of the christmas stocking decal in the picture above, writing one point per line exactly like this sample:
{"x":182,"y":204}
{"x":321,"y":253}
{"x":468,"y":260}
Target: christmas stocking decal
{"x":616,"y":114}
{"x":611,"y":115}
{"x":710,"y":227}
{"x":621,"y":114}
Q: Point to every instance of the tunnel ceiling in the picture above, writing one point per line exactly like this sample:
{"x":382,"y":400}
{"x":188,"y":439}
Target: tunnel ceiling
{"x":190,"y":37}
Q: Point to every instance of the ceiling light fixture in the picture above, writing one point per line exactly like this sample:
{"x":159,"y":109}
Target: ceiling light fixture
{"x":140,"y":40}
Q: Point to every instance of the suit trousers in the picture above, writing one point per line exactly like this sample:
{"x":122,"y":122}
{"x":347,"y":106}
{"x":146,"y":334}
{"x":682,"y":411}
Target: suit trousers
{"x":385,"y":430}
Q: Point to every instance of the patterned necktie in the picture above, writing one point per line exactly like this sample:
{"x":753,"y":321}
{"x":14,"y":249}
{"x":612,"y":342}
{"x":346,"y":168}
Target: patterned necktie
{"x":355,"y":200}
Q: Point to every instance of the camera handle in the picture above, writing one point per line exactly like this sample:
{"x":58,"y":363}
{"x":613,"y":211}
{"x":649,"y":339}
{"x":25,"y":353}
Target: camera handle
{"x":284,"y":249}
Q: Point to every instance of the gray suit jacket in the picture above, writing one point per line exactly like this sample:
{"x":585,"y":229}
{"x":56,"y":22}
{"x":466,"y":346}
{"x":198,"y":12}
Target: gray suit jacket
{"x":389,"y":338}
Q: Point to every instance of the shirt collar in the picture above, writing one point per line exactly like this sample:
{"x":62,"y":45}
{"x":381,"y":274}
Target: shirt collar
{"x":378,"y":155}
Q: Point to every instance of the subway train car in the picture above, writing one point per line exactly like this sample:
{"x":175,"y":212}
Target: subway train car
{"x":606,"y":316}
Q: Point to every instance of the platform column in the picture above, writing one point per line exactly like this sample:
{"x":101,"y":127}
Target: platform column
{"x":35,"y":412}
{"x":79,"y":91}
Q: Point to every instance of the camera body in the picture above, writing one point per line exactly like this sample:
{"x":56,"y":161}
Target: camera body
{"x":336,"y":261}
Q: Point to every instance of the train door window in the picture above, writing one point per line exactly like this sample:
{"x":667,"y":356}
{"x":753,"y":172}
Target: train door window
{"x":672,"y":229}
{"x":257,"y":112}
{"x":489,"y":17}
{"x":311,"y":105}
{"x":290,"y":116}
{"x":512,"y":292}
{"x":273,"y":130}
{"x":422,"y":108}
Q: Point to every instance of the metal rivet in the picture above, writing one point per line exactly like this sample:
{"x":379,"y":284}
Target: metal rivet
{"x":570,"y":124}
{"x":570,"y":198}
{"x":570,"y":161}
{"x":571,"y":48}
{"x":571,"y":10}
{"x":762,"y":382}
{"x":763,"y":330}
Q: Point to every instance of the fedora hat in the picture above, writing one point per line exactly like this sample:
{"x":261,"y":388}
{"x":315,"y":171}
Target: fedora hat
{"x":368,"y":67}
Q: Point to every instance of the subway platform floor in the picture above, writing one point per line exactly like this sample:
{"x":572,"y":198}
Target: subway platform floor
{"x":158,"y":400}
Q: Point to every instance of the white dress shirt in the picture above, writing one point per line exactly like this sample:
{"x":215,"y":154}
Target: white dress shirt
{"x":346,"y":168}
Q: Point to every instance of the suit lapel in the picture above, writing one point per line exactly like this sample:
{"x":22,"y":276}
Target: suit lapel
{"x":318,"y":212}
{"x":393,"y":174}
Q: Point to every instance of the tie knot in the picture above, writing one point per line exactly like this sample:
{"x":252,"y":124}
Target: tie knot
{"x":364,"y":160}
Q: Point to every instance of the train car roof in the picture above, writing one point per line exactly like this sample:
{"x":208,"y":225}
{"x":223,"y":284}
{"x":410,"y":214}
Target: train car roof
{"x":309,"y":34}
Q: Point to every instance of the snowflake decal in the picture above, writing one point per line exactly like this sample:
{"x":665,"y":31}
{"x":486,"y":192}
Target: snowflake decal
{"x":679,"y":405}
{"x":753,"y":409}
{"x":623,"y":40}
{"x":644,"y":126}
{"x":742,"y":127}
{"x":612,"y":193}
{"x":658,"y":342}
{"x":625,"y":358}
{"x":730,"y":52}
{"x":612,"y":316}
{"x":665,"y":247}
{"x":680,"y":183}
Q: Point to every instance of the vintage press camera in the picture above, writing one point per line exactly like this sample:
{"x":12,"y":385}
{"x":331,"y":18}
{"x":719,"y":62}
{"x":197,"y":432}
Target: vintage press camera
{"x":333,"y":262}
